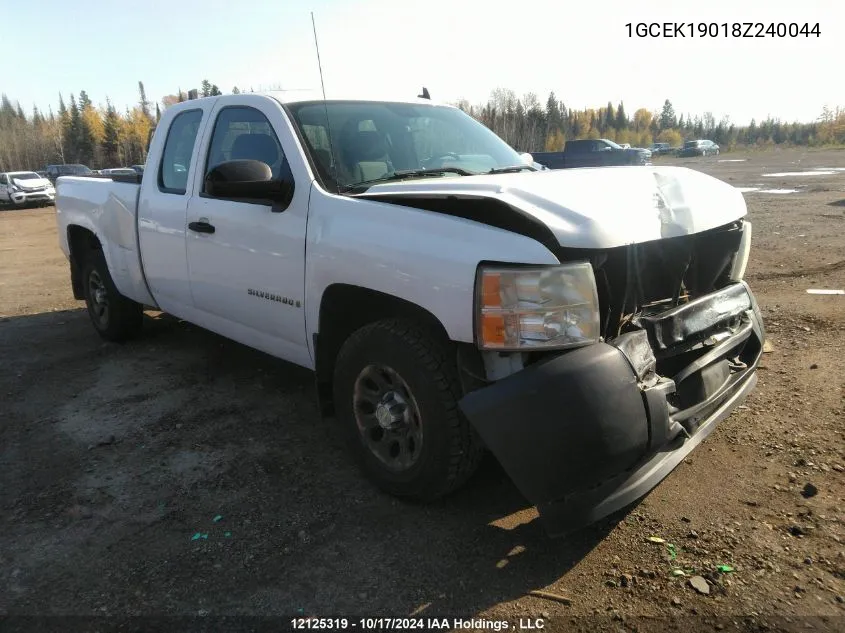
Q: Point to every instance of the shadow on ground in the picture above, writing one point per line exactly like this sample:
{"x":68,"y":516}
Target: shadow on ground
{"x":118,"y":458}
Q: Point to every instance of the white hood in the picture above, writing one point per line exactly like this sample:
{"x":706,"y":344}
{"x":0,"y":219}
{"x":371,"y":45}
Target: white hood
{"x":31,"y":183}
{"x":599,"y":207}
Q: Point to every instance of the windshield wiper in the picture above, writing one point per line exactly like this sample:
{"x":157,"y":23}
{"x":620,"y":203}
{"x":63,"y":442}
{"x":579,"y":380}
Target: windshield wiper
{"x":510,"y":170}
{"x":410,"y":173}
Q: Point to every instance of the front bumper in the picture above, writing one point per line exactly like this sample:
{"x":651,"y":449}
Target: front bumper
{"x":30,"y":197}
{"x":594,"y":429}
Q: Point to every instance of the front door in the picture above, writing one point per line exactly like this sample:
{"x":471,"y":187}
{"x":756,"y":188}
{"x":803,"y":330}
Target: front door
{"x":246,"y":259}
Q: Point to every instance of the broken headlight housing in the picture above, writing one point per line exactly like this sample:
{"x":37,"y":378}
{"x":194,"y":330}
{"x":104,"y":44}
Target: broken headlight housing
{"x":740,"y":260}
{"x":536,"y":307}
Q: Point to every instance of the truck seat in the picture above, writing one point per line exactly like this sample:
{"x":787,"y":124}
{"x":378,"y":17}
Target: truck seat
{"x":366,"y":157}
{"x":257,"y":147}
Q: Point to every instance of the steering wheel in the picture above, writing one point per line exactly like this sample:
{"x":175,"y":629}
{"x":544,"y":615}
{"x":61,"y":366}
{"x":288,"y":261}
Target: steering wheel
{"x":439,"y":158}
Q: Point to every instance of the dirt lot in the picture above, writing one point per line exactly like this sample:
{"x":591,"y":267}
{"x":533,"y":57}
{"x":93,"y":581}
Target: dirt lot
{"x":114,"y":457}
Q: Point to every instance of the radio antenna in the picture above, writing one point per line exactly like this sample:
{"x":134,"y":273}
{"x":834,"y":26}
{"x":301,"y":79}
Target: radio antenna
{"x":325,"y":105}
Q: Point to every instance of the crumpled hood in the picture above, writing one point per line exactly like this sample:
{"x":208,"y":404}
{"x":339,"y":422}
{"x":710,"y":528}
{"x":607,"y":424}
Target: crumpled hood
{"x":599,"y":207}
{"x":31,"y":183}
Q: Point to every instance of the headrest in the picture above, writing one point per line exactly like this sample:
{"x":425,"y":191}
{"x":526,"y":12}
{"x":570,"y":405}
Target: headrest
{"x":256,"y":147}
{"x":366,"y":146}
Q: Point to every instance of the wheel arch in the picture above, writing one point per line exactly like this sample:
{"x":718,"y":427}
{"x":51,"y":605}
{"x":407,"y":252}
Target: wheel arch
{"x":81,"y":243}
{"x":344,"y":309}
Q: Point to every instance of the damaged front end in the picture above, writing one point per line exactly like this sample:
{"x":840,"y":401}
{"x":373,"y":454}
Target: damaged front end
{"x":586,"y":431}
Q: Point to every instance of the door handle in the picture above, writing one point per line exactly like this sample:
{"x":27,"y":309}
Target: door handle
{"x":201,"y":227}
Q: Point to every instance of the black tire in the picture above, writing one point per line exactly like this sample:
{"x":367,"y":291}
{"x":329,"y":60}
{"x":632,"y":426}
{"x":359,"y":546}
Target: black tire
{"x":122,"y":318}
{"x":449,"y":450}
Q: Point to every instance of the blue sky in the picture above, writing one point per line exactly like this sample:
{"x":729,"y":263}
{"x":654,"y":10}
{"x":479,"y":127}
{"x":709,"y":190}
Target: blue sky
{"x":457,"y":48}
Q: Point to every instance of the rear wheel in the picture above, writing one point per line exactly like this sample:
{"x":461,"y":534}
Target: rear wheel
{"x":396,"y":393}
{"x":115,"y":317}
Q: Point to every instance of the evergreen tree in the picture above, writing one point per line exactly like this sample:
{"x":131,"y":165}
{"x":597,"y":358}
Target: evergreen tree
{"x":621,"y":118}
{"x":610,"y":116}
{"x":235,"y":91}
{"x":71,"y":131}
{"x":7,"y":110}
{"x":84,"y":101}
{"x":143,"y":102}
{"x":205,"y":90}
{"x":111,"y":138}
{"x":215,"y":91}
{"x":667,"y":116}
{"x":84,"y":133}
{"x":158,"y":113}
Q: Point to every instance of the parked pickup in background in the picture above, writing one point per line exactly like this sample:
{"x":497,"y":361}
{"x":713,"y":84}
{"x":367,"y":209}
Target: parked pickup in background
{"x":592,"y":153}
{"x":55,"y":171}
{"x":589,"y":327}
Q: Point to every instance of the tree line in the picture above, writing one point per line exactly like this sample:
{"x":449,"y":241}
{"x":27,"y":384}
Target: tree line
{"x":80,"y":132}
{"x":528,"y":125}
{"x":101,"y":136}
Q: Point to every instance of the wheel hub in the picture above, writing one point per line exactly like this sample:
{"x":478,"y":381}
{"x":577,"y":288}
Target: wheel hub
{"x":390,"y":412}
{"x":388,"y":417}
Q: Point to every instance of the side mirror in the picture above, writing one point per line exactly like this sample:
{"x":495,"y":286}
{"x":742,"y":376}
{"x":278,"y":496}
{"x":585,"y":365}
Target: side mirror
{"x":247,"y":179}
{"x":527,"y":158}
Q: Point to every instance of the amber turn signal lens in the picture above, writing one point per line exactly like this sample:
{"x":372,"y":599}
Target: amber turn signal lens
{"x":490,"y":291}
{"x":493,"y":329}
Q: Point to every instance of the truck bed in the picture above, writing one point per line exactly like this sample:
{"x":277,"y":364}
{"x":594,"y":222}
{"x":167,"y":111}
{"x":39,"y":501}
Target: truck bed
{"x":106,"y":206}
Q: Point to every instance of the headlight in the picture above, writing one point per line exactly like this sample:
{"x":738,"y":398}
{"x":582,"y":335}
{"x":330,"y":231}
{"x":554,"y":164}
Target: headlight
{"x":15,"y":188}
{"x":538,"y":307}
{"x":741,"y":257}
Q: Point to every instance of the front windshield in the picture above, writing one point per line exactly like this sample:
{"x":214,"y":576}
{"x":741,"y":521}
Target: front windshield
{"x":374,"y":140}
{"x":613,"y":145}
{"x":25,"y":175}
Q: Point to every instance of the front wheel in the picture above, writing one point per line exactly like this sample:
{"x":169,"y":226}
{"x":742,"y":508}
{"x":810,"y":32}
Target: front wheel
{"x":396,"y":393}
{"x":115,"y":317}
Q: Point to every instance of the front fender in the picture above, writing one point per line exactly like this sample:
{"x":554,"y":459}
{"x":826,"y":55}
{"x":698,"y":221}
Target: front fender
{"x":426,"y":258}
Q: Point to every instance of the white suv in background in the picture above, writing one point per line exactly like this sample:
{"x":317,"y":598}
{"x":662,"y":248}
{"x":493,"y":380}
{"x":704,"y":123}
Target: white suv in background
{"x":21,"y":188}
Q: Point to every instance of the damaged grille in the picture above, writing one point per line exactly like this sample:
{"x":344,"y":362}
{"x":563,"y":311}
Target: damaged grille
{"x":653,"y":277}
{"x":672,"y":308}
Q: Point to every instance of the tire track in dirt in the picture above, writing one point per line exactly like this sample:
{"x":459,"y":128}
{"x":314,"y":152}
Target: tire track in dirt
{"x":804,"y":272}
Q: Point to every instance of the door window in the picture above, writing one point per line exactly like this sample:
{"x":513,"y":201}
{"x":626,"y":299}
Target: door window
{"x":178,"y":149}
{"x":244,"y":133}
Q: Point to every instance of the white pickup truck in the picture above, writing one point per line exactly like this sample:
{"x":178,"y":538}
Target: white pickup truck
{"x":588,"y":326}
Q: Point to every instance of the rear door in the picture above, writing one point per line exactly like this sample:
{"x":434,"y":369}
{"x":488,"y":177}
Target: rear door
{"x":246,"y":258}
{"x":579,"y":153}
{"x":163,"y":204}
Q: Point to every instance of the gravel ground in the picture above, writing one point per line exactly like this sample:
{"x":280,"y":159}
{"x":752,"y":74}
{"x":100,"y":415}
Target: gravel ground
{"x":114,"y":456}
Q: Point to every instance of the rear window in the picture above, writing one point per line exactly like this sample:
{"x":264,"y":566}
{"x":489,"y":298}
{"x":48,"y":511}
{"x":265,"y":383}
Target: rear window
{"x":72,"y":170}
{"x":178,"y":150}
{"x":578,"y":146}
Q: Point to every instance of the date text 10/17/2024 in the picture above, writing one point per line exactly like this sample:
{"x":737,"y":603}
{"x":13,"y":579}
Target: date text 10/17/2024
{"x":414,"y":624}
{"x":722,"y":29}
